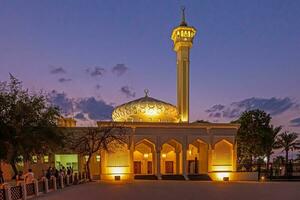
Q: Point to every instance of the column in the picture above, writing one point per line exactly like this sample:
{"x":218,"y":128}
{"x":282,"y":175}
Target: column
{"x":131,"y":151}
{"x":184,"y":151}
{"x":234,"y":157}
{"x":209,"y":158}
{"x":158,"y":174}
{"x":178,"y":161}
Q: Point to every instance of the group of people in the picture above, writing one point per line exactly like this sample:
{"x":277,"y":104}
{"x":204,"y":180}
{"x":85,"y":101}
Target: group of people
{"x":55,"y":172}
{"x":27,"y":177}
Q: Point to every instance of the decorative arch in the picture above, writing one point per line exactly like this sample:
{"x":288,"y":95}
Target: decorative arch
{"x":222,"y":139}
{"x":223,"y":153}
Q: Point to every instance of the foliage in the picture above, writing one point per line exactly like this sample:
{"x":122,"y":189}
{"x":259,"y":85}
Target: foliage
{"x":92,"y":140}
{"x":287,"y":141}
{"x":255,"y":137}
{"x":27,"y":123}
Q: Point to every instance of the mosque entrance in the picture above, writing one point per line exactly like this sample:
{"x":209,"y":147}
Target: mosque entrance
{"x":169,"y":167}
{"x":149,"y":167}
{"x":137,"y":167}
{"x":143,"y":157}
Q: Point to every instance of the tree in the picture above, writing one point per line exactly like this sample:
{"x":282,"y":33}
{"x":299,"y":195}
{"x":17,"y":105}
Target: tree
{"x":268,"y":142}
{"x":287,"y":141}
{"x":91,"y":140}
{"x":254,"y":126}
{"x":27,"y":124}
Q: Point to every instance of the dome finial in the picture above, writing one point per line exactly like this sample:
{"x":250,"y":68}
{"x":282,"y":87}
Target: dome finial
{"x":146,"y":92}
{"x":183,"y":23}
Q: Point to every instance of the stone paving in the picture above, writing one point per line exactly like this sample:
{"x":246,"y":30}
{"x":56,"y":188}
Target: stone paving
{"x":183,"y":190}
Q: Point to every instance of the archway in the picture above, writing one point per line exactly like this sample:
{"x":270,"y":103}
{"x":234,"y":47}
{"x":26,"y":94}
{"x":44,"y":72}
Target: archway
{"x":222,"y":158}
{"x":197,"y":159}
{"x":171,"y":157}
{"x":143,"y":157}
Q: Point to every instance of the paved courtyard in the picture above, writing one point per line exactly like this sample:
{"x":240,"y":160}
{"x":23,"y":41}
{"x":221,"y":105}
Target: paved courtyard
{"x":183,"y":190}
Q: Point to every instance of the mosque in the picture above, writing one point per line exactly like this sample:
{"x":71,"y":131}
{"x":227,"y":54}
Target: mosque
{"x":162,"y":143}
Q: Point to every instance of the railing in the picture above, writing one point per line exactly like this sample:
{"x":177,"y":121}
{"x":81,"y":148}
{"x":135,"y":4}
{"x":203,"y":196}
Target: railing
{"x":36,"y":188}
{"x":2,"y":194}
{"x":30,"y":189}
{"x":16,"y":192}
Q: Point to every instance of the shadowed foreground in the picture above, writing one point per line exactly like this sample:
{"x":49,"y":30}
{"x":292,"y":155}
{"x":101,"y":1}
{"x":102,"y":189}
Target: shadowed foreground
{"x":154,"y":190}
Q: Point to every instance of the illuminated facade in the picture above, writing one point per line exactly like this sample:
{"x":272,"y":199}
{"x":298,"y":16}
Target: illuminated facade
{"x":161,"y":142}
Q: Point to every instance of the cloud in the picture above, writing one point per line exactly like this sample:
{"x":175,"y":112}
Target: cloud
{"x":295,"y":122}
{"x":96,"y":109}
{"x":96,"y":71}
{"x":88,"y":108}
{"x":80,"y":116}
{"x":127,"y":91}
{"x":273,"y":106}
{"x":98,"y":86}
{"x":58,"y":70}
{"x":63,"y":80}
{"x":119,"y":69}
{"x":62,"y":101}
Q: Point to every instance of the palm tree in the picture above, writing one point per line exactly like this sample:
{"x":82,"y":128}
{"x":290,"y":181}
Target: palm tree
{"x":268,"y":141}
{"x":287,"y":141}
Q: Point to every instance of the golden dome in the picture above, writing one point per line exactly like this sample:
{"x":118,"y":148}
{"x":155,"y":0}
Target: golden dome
{"x":145,"y":109}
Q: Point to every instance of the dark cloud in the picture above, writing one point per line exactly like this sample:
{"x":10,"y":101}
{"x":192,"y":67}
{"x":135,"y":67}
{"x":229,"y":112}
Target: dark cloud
{"x":119,"y":69}
{"x":80,"y":116}
{"x":98,"y":87}
{"x":96,"y":109}
{"x":295,"y":122}
{"x":63,"y":80}
{"x":273,"y":106}
{"x":62,"y":101}
{"x":93,"y":108}
{"x":215,"y":108}
{"x":96,"y":71}
{"x":215,"y":115}
{"x":127,"y":91}
{"x":58,"y":70}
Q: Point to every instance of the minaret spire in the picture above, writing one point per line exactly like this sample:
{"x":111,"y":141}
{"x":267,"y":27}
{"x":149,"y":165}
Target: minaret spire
{"x":183,"y":22}
{"x":183,"y":36}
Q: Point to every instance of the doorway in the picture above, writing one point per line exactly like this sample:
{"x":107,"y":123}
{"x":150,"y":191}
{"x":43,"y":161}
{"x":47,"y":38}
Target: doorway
{"x":137,"y":167}
{"x":149,"y":167}
{"x":169,"y":167}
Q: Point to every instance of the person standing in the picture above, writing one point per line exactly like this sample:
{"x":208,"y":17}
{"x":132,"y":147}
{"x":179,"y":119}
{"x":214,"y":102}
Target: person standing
{"x":29,"y":176}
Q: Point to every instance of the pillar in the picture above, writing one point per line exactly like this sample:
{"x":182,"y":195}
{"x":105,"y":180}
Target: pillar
{"x":7,"y":191}
{"x":24,"y":191}
{"x":36,"y":187}
{"x":178,"y":161}
{"x":158,"y":168}
{"x":234,"y":157}
{"x":184,"y":151}
{"x":131,"y":151}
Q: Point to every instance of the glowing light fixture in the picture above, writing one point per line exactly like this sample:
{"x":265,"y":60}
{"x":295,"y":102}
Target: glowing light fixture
{"x":34,"y":159}
{"x":117,"y":170}
{"x":98,"y":158}
{"x":46,"y":159}
{"x":146,"y":155}
{"x":223,"y":176}
{"x":86,"y":158}
{"x":164,"y":155}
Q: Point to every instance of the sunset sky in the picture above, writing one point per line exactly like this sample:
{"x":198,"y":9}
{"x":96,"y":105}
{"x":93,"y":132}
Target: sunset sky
{"x":104,"y":53}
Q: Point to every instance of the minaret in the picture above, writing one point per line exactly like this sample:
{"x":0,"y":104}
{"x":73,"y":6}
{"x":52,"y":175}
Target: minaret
{"x":182,"y":37}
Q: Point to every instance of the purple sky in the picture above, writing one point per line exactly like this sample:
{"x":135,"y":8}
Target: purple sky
{"x":242,"y":49}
